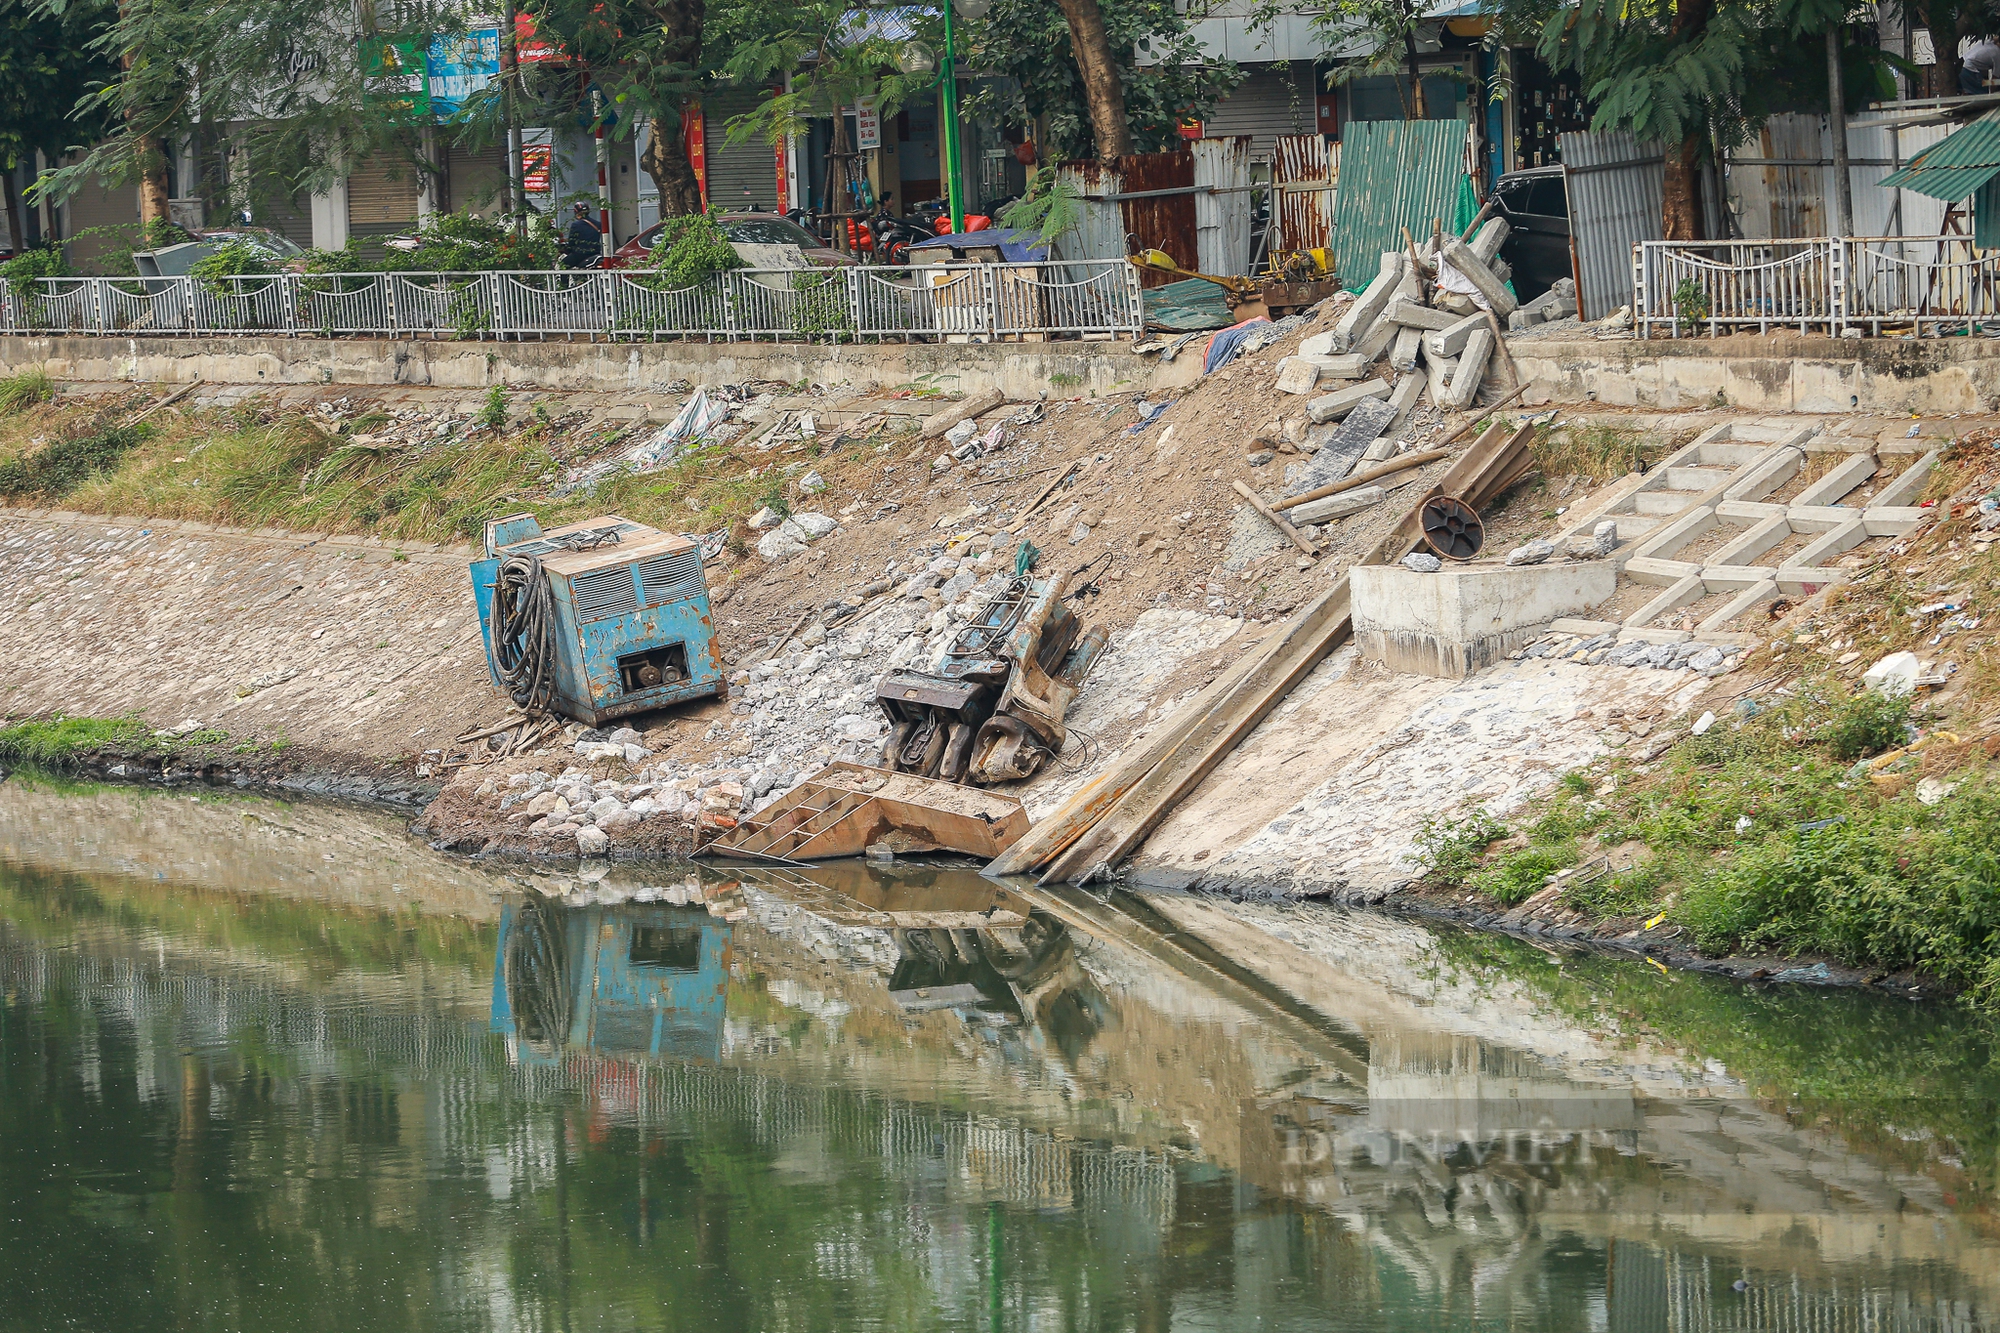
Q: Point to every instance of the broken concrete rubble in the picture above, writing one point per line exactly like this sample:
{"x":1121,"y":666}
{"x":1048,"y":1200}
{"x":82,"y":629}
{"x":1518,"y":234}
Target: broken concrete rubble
{"x":1334,"y":406}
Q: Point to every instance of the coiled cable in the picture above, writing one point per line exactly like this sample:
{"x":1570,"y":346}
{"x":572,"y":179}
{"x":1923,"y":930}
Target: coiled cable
{"x":524,"y":632}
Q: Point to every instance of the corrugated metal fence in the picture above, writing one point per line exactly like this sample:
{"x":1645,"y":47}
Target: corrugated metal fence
{"x":1302,"y":216}
{"x":1394,"y":174}
{"x":1222,"y":218}
{"x":1615,"y":185}
{"x":1194,"y":204}
{"x":1777,"y":187}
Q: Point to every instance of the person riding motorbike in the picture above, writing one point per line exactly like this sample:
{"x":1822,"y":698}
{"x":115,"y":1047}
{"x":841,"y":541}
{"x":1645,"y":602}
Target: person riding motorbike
{"x":583,"y":245}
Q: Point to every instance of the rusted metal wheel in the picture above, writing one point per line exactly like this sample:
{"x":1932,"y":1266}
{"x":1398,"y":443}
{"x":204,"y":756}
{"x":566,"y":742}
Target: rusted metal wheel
{"x":1452,"y":527}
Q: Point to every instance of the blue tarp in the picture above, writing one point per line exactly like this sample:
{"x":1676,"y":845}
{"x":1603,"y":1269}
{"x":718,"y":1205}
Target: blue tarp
{"x":1016,"y":246}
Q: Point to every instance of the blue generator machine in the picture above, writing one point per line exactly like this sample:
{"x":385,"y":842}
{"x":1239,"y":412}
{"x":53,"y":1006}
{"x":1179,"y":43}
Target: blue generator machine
{"x":599,"y":620}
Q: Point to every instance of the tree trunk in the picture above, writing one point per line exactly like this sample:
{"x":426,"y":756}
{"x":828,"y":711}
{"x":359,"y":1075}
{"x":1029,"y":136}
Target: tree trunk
{"x":1682,"y":218}
{"x":1103,"y":90}
{"x":666,"y":161}
{"x":681,"y":23}
{"x":153,"y":191}
{"x":1418,"y":111}
{"x":15,"y":236}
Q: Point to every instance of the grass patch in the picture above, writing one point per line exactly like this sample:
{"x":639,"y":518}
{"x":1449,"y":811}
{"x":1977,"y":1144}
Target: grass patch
{"x":1597,"y":451}
{"x":25,"y":389}
{"x":1795,"y":829}
{"x":250,"y":467}
{"x":57,"y":744}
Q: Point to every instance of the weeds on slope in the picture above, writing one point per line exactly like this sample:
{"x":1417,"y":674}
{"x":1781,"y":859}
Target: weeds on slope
{"x":247,"y":466}
{"x":57,"y":744}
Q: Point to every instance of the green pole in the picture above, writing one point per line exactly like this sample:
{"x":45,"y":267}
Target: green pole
{"x":952,"y":187}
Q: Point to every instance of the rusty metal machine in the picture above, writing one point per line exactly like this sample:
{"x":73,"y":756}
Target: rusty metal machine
{"x":993,"y":710}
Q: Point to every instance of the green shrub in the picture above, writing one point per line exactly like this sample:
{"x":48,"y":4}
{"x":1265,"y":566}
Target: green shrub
{"x":219,"y":268}
{"x":1869,"y":723}
{"x":1449,"y":846}
{"x":24,"y":270}
{"x":690,"y":249}
{"x":1896,"y":884}
{"x":58,"y":467}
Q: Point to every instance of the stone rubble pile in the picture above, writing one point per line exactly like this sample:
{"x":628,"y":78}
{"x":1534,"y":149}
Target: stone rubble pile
{"x":1605,"y":650}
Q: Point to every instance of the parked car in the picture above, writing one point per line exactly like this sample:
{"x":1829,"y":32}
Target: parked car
{"x":1535,"y":203}
{"x":741,"y":229}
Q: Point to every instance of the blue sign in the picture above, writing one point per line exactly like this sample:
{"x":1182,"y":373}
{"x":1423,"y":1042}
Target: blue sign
{"x":459,"y":65}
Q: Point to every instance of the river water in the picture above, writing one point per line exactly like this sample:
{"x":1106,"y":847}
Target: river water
{"x":274,"y":1067}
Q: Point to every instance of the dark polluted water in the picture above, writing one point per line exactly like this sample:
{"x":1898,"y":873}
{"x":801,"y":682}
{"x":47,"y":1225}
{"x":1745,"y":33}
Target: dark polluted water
{"x":274,"y":1067}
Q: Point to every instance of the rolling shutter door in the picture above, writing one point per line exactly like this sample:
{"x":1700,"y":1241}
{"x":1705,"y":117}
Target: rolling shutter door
{"x":381,"y":205}
{"x":96,"y":206}
{"x":1274,"y":100}
{"x":741,"y":176}
{"x":476,"y":178}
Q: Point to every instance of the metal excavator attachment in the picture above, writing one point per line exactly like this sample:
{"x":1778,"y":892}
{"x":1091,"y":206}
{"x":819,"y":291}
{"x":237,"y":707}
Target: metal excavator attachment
{"x":993,"y":710}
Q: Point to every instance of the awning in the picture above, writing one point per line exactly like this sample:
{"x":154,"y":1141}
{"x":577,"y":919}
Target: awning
{"x":1964,"y":164}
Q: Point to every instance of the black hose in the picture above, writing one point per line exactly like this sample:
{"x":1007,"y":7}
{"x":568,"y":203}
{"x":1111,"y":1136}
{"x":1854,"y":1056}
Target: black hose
{"x":524,"y":632}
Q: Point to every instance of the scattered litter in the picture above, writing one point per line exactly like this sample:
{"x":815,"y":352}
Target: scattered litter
{"x":1148,"y":414}
{"x":1702,"y":724}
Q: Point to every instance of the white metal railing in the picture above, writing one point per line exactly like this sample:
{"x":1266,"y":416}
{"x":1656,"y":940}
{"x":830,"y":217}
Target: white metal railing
{"x":1713,"y":286}
{"x":1937,"y":282}
{"x":1079,"y":298}
{"x":1839,"y":284}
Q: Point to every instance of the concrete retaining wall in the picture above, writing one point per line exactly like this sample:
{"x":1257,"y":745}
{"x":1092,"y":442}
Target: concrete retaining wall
{"x":1464,"y":618}
{"x":1778,"y":372}
{"x":1021,"y":370}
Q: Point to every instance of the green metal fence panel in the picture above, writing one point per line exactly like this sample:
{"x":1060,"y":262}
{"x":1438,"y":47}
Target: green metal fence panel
{"x":1393,"y":174}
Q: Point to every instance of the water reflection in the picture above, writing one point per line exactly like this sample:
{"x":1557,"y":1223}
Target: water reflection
{"x":764,"y":1099}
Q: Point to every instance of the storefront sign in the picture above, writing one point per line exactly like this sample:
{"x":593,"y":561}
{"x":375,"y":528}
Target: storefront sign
{"x":867,"y":123}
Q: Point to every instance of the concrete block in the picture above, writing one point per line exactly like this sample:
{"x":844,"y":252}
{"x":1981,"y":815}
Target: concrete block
{"x":1335,"y":506}
{"x":1416,"y":315}
{"x":1471,"y":370}
{"x":1450,"y":340}
{"x":1492,"y":234}
{"x":1335,"y":405}
{"x":1498,"y":299}
{"x":1524,"y":318}
{"x":1754,"y":542}
{"x":1844,"y":478}
{"x":1830,"y":545}
{"x":1583,"y":629}
{"x":1319,"y":344}
{"x":1796,"y":581}
{"x":1367,"y":307}
{"x":1659,"y":573}
{"x":1818,"y":518}
{"x":1297,"y":374}
{"x":1750,"y":597}
{"x":1891,"y":521}
{"x":1733,"y":578}
{"x":1677,"y":534}
{"x":1906,"y":488}
{"x":1347,"y":366}
{"x":1437,"y":375}
{"x":1652,"y":634}
{"x":1504,"y":271}
{"x":1463,"y":618}
{"x":1403,"y":352}
{"x":1376,"y":341}
{"x":1678,"y":594}
{"x":1748,"y":511}
{"x":1409,"y":392}
{"x":1379,"y":451}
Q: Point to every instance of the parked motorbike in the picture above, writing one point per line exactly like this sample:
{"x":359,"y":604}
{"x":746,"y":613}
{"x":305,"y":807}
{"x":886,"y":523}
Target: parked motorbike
{"x":893,"y":236}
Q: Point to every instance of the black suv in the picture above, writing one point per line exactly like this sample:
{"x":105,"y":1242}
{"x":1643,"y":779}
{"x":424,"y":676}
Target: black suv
{"x":1535,"y":204}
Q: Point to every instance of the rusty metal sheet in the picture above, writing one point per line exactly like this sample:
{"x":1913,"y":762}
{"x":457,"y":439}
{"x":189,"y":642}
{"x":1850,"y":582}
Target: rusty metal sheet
{"x":1163,"y":222}
{"x":1302,"y":219}
{"x":845,"y":808}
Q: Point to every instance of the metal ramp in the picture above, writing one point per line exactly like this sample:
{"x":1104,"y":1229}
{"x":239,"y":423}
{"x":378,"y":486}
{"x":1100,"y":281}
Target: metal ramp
{"x":845,"y":808}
